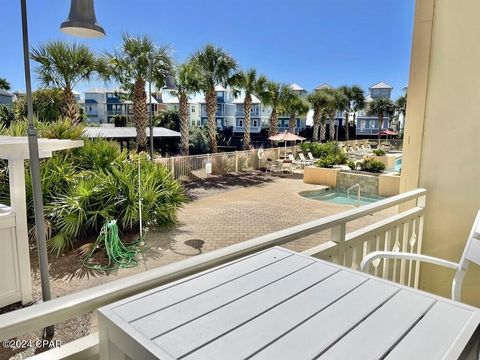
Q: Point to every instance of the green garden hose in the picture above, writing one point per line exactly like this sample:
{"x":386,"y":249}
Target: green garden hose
{"x":119,"y":255}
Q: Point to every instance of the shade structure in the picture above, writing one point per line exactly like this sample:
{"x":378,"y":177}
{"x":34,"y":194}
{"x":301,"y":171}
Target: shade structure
{"x":388,"y":132}
{"x":286,"y":136}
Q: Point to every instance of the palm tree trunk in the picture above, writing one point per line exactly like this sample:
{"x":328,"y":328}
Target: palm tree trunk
{"x":292,"y":122}
{"x":323,"y":130}
{"x":332,"y":127}
{"x":71,"y":109}
{"x":380,"y":122}
{"x":347,"y":127}
{"x":212,"y":119}
{"x":184,"y":123}
{"x":140,"y":113}
{"x":247,"y":108}
{"x":273,"y":123}
{"x":316,"y":125}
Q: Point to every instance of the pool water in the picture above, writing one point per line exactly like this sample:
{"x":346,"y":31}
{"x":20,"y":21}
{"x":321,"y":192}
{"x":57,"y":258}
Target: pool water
{"x":340,"y":197}
{"x":398,"y":164}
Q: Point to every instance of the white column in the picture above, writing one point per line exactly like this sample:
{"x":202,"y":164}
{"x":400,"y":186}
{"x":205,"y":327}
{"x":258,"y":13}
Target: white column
{"x":18,"y":202}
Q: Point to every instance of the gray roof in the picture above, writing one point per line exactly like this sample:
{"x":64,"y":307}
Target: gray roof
{"x":323,"y":86}
{"x":91,"y":101}
{"x":5,"y":93}
{"x":296,"y":87}
{"x":381,"y":85}
{"x":126,"y":132}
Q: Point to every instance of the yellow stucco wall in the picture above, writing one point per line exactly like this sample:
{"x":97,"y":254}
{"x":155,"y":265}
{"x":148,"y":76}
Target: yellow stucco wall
{"x":388,"y":185}
{"x":320,"y":176}
{"x":441,"y":147}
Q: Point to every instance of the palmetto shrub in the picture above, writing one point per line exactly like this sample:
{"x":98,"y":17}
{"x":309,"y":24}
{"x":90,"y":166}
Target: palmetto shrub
{"x":97,"y":195}
{"x":84,"y":187}
{"x":320,"y":150}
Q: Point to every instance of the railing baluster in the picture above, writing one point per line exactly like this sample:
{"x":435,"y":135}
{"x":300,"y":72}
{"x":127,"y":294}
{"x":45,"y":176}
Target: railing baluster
{"x":412,"y":241}
{"x":338,"y":236}
{"x":404,"y":249}
{"x":396,"y":244}
{"x":386,"y":247}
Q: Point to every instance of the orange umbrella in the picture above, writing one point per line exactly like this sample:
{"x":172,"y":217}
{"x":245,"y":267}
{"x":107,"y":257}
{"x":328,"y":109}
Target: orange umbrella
{"x":286,"y":136}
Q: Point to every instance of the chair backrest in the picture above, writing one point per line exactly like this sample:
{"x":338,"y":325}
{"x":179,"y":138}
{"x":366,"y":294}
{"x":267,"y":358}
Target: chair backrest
{"x":301,"y":156}
{"x":472,"y":249}
{"x":290,"y":157}
{"x":310,"y":156}
{"x":470,"y":254}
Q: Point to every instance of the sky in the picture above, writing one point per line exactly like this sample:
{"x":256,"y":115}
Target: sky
{"x":308,"y":42}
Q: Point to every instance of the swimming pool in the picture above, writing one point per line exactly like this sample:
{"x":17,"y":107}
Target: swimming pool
{"x":398,"y":164}
{"x":340,"y":197}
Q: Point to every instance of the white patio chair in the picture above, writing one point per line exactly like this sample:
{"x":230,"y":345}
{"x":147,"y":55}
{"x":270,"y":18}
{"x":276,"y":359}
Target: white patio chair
{"x":310,"y":156}
{"x":304,"y":160}
{"x":294,"y":162}
{"x":470,"y":254}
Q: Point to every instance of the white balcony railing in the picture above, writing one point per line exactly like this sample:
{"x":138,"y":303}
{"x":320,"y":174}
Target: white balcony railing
{"x":398,"y":232}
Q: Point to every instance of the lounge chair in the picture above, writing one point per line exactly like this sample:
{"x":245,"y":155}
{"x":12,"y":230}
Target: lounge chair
{"x":470,"y":254}
{"x":310,"y":157}
{"x":304,"y":160}
{"x":293,"y":161}
{"x":273,"y":166}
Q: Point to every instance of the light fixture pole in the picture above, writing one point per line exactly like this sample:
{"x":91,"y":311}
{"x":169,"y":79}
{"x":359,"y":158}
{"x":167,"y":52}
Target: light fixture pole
{"x":35,"y":171}
{"x":82,"y":22}
{"x":150,"y":60}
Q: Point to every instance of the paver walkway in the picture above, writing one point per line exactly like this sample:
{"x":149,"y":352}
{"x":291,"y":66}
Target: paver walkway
{"x":226,"y":211}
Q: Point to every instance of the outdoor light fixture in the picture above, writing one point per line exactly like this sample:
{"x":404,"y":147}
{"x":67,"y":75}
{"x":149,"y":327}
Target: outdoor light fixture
{"x":82,"y":20}
{"x":170,"y":83}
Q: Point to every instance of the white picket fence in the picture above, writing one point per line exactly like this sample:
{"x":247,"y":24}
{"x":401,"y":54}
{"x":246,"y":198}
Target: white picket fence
{"x":191,"y":168}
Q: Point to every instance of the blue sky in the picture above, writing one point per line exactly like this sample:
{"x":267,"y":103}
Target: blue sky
{"x":303,"y":41}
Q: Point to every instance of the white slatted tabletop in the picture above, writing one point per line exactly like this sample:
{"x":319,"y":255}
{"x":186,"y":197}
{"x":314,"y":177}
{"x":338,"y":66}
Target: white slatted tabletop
{"x":278,"y":304}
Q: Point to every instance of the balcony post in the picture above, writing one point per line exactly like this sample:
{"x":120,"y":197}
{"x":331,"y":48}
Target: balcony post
{"x":338,"y":236}
{"x":236,"y":161}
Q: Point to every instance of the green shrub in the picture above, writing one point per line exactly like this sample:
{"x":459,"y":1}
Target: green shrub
{"x":99,"y":154}
{"x":372,"y":165}
{"x":320,"y":150}
{"x":351,"y":164}
{"x":379,"y":152}
{"x":333,"y":159}
{"x":84,"y":187}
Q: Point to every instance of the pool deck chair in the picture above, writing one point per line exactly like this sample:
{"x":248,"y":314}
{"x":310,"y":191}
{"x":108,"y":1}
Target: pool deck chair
{"x":304,"y":160}
{"x":310,"y":156}
{"x":470,"y":254}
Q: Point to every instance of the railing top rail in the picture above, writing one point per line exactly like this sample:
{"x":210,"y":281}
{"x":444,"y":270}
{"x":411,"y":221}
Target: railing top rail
{"x":227,"y":153}
{"x":32,"y":318}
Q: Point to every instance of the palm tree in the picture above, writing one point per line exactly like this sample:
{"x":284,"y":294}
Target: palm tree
{"x":355,"y":100}
{"x":4,"y":84}
{"x":401,"y":104}
{"x":381,"y":107}
{"x":401,"y":107}
{"x":215,"y":67}
{"x":130,"y":66}
{"x":253,"y":84}
{"x":320,"y":101}
{"x":339,"y":100}
{"x":187,"y":83}
{"x":64,"y":65}
{"x":274,"y":96}
{"x":294,"y":106}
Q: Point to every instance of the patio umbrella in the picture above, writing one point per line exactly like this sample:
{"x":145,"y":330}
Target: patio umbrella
{"x":388,"y":132}
{"x":285,"y":136}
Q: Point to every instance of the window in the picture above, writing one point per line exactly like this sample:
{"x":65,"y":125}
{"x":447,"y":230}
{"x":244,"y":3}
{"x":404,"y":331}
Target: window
{"x":255,"y":123}
{"x":193,"y":109}
{"x":240,"y":122}
{"x":298,"y":123}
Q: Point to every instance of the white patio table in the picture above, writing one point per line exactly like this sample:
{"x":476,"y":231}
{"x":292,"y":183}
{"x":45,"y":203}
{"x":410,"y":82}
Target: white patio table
{"x":278,"y":304}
